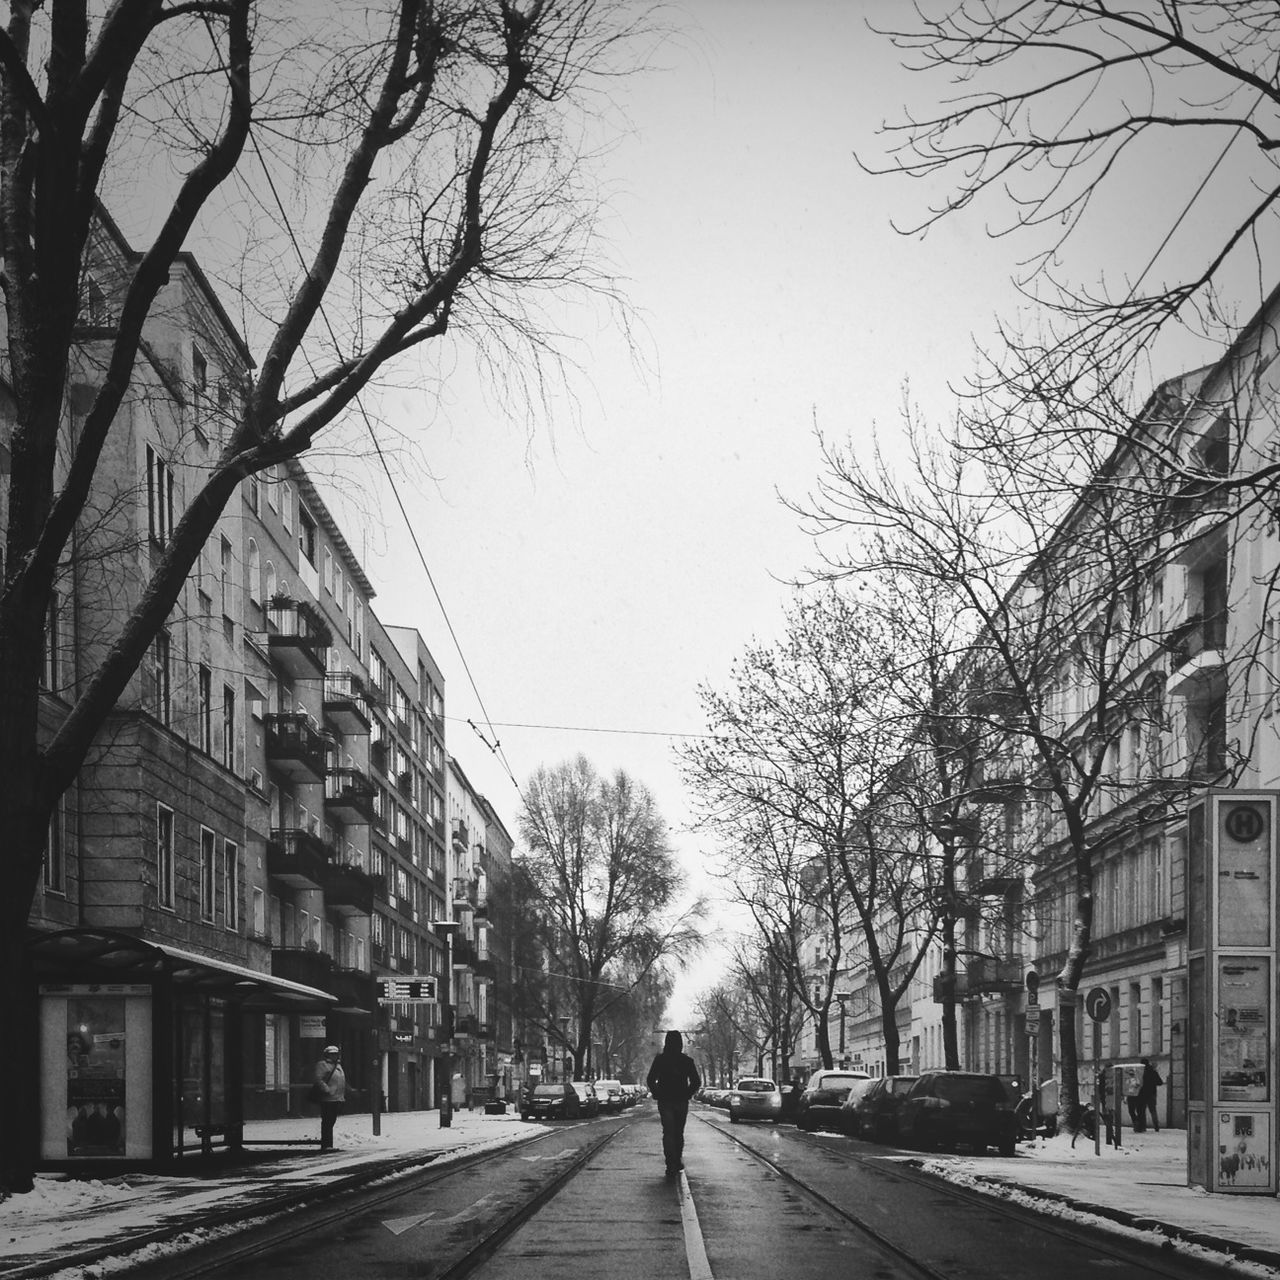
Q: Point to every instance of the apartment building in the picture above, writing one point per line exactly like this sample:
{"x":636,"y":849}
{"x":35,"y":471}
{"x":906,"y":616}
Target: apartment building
{"x":1195,"y":675}
{"x":259,"y":835}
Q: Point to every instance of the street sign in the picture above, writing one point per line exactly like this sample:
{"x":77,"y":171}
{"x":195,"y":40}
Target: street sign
{"x":1097,"y":1004}
{"x":1033,"y":1020}
{"x":416,"y":990}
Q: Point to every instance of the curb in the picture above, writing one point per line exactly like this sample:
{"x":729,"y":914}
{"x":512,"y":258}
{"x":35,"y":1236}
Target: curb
{"x":1173,"y":1233}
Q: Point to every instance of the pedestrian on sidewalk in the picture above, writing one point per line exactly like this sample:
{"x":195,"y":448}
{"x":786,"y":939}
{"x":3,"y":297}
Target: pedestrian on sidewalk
{"x":1151,"y":1081}
{"x":330,"y":1092}
{"x":673,"y":1080}
{"x":1132,"y":1099}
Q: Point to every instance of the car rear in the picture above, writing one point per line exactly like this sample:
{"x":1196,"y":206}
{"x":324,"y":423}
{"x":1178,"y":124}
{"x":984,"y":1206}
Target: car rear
{"x":822,"y":1100}
{"x":755,"y":1098}
{"x":957,"y":1108}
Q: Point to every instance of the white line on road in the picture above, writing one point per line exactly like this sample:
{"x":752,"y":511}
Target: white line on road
{"x":694,"y":1248}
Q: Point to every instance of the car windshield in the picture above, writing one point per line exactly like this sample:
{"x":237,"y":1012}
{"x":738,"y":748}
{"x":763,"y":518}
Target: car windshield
{"x":549,"y":1091}
{"x":969,"y":1089}
{"x":756,"y":1086}
{"x":838,"y":1081}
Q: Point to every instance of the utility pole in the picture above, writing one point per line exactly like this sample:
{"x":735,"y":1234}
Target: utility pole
{"x":446,"y":928}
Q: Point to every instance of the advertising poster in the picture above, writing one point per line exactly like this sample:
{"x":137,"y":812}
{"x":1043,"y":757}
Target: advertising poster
{"x":1244,"y":1029}
{"x":96,"y":1076}
{"x":1244,"y":1150}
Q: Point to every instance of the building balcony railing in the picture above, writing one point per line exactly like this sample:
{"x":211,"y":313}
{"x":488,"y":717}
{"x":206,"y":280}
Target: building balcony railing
{"x":378,"y":754}
{"x":348,"y":890}
{"x":484,"y":967}
{"x":997,"y":780}
{"x":1196,"y":650}
{"x":301,"y":964}
{"x":298,"y":638}
{"x":461,"y":836}
{"x":298,"y":858}
{"x":464,"y":953}
{"x":347,"y":704}
{"x":295,"y":748}
{"x":349,"y":796}
{"x":464,"y":894}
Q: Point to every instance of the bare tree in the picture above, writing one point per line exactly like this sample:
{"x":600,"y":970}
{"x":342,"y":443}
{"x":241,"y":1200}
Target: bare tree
{"x":809,"y":742}
{"x":1050,"y":106}
{"x":606,"y":892}
{"x":1057,"y":572}
{"x":377,"y":179}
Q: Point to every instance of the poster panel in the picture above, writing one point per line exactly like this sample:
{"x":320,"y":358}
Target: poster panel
{"x":1244,"y":1150}
{"x":1244,"y":1028}
{"x":1243,"y":897}
{"x":96,"y":1093}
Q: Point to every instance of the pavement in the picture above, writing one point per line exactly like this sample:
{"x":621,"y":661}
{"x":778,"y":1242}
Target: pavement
{"x":93,"y":1228}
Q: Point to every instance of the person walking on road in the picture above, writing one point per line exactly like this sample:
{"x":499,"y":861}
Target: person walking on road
{"x":331,"y":1091}
{"x":1151,"y":1081}
{"x":673,"y":1080}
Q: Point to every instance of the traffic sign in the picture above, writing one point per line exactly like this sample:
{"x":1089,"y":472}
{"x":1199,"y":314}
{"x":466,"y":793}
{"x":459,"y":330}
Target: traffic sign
{"x":416,"y":990}
{"x":1097,"y":1004}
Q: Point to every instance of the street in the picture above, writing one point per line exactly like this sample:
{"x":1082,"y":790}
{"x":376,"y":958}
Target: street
{"x":590,"y":1200}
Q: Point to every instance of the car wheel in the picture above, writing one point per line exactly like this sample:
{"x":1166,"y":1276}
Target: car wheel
{"x":732,"y":1118}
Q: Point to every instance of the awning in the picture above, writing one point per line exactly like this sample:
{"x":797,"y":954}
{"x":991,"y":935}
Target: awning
{"x":79,"y":955}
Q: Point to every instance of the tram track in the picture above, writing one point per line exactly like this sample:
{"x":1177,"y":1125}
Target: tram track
{"x":318,"y":1210}
{"x":1140,"y":1257}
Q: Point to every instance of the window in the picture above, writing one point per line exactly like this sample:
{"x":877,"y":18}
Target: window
{"x":307,"y":536}
{"x":286,"y":507}
{"x":164,"y":856}
{"x":52,"y":643}
{"x":95,"y":302}
{"x":228,"y":726}
{"x":224,"y":575}
{"x":231,"y":884}
{"x":55,"y":867}
{"x":328,"y":571}
{"x":259,"y":922}
{"x":159,"y":498}
{"x":270,"y":480}
{"x":208,"y":847}
{"x":160,"y":670}
{"x":359,"y":637}
{"x":204,"y":693}
{"x":199,"y":384}
{"x":255,"y":573}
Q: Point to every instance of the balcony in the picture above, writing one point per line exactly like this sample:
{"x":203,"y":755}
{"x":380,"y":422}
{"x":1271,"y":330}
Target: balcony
{"x":464,"y":953}
{"x":484,"y":967}
{"x":301,"y":964}
{"x":480,"y":905}
{"x":1195,"y":651}
{"x":297,"y":638}
{"x":985,"y":975}
{"x":295,"y":748}
{"x":298,"y":858}
{"x":349,"y":796}
{"x":347,"y":705}
{"x":348,"y":890}
{"x":461,"y":836}
{"x":997,"y":780}
{"x":463,"y":894}
{"x":378,"y":754}
{"x":354,"y":988}
{"x":996,"y":886}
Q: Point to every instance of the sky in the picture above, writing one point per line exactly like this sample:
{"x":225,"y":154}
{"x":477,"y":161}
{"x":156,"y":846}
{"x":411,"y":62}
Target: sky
{"x":595,"y":569}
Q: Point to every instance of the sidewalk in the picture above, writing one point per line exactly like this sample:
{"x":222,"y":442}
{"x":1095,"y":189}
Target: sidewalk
{"x":70,"y":1225}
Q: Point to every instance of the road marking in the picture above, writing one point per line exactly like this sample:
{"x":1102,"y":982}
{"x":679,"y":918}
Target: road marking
{"x":694,"y":1249}
{"x":398,"y":1226}
{"x":567,"y":1154}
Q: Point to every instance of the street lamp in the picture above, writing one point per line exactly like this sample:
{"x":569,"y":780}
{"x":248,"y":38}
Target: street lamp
{"x":445,"y":928}
{"x":843,"y":997}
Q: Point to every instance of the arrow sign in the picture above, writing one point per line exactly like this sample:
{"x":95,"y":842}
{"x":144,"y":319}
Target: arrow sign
{"x":1097,"y":1004}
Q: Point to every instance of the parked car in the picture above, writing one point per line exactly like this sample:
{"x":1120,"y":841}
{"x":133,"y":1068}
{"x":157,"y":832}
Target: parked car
{"x":551,"y":1102}
{"x":587,"y":1098}
{"x":873,"y":1113}
{"x":609,"y":1093}
{"x":958,"y":1108}
{"x":820,"y":1103}
{"x":755,"y":1098}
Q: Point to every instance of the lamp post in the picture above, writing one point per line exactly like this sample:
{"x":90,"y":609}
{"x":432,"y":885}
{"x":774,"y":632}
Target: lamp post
{"x":445,"y":929}
{"x":843,"y":997}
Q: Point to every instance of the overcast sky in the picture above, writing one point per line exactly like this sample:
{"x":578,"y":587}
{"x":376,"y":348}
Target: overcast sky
{"x":596,"y":571}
